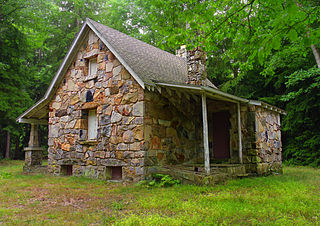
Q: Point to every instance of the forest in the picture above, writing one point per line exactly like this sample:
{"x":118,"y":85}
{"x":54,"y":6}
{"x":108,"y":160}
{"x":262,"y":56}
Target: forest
{"x":257,"y":49}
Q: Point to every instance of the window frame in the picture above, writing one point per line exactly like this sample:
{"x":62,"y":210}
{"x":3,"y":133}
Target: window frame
{"x":91,"y":61}
{"x":95,"y":127}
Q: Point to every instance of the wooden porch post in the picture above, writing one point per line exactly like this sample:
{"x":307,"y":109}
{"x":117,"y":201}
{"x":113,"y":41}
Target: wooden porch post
{"x":239,"y":132}
{"x":33,"y":153}
{"x":205,"y":134}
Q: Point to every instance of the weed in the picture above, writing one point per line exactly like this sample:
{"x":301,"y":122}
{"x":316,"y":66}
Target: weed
{"x":159,"y":180}
{"x":288,"y":199}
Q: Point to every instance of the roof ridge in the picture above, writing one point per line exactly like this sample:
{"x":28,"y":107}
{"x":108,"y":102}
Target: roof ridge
{"x":145,"y":43}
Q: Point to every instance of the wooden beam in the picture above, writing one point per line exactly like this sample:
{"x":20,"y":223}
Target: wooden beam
{"x":194,"y":97}
{"x":159,"y":89}
{"x":178,"y":94}
{"x":44,"y":114}
{"x":169,"y":92}
{"x":239,"y":132}
{"x":187,"y":96}
{"x":205,"y":134}
{"x":33,"y":121}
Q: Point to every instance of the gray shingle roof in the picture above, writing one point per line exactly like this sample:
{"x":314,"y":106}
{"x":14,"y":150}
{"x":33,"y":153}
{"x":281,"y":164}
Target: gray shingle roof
{"x":148,"y":62}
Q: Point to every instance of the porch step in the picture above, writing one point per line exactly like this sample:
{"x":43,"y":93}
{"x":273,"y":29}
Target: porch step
{"x":244,"y":175}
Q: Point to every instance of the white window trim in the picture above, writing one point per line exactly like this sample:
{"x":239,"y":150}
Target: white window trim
{"x":90,"y":63}
{"x":92,"y":125}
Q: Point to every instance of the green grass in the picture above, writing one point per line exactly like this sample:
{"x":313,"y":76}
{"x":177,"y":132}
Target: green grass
{"x":289,"y":199}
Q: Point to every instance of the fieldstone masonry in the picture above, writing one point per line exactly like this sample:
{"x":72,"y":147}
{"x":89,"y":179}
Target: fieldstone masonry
{"x":196,"y":64}
{"x":33,"y":153}
{"x":262,"y":140}
{"x":118,"y":101}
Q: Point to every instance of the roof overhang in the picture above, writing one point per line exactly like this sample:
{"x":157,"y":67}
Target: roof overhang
{"x":198,"y":90}
{"x":215,"y":94}
{"x":267,"y":106}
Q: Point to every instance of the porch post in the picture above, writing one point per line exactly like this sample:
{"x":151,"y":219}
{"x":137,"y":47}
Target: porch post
{"x":205,"y":134}
{"x":239,"y":132}
{"x":33,"y":153}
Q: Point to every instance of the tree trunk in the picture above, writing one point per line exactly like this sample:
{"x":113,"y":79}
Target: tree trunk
{"x":7,"y":146}
{"x":316,"y":54}
{"x":16,"y":155}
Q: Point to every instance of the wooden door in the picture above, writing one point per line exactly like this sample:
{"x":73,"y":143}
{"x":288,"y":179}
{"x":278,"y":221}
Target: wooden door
{"x":221,"y":136}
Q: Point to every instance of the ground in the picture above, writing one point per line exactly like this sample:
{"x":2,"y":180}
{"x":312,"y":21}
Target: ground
{"x":291,"y":198}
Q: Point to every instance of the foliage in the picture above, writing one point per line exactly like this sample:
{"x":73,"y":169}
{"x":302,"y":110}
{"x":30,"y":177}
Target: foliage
{"x":160,"y":180}
{"x":302,"y":120}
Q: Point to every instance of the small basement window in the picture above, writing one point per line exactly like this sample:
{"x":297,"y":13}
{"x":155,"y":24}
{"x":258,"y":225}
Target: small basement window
{"x":114,"y":173}
{"x":92,"y":125}
{"x":66,"y":170}
{"x":93,"y":66}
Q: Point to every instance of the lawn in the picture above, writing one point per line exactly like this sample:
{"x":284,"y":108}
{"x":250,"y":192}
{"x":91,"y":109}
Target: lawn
{"x":291,"y":198}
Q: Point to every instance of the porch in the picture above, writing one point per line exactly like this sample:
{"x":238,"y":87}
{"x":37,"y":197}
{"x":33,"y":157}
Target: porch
{"x":202,"y":138}
{"x":196,"y":174}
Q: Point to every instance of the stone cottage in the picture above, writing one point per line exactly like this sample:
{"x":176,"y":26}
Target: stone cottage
{"x":121,"y":109}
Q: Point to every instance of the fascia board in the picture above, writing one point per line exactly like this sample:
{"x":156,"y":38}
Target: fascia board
{"x":45,"y":100}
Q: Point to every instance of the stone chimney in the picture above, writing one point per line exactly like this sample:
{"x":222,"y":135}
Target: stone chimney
{"x":196,"y":63}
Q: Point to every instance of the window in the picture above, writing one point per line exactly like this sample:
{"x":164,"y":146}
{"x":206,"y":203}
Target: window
{"x":93,"y":66}
{"x":114,"y":173}
{"x":92,"y":125}
{"x":66,"y":170}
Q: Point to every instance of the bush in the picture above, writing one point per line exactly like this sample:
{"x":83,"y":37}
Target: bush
{"x":160,"y":180}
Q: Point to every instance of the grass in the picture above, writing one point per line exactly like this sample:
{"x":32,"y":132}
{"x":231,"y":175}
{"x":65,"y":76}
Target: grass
{"x":289,"y":199}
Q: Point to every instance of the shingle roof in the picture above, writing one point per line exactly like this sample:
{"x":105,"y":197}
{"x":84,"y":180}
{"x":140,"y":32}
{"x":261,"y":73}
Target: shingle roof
{"x":148,"y":64}
{"x":147,"y":61}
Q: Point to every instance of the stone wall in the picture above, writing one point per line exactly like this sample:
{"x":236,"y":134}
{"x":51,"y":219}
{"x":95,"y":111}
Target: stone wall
{"x":268,"y":141}
{"x":173,"y":129}
{"x":118,"y":100}
{"x":261,"y":140}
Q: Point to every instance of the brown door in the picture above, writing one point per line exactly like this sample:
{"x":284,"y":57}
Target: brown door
{"x":221,"y":136}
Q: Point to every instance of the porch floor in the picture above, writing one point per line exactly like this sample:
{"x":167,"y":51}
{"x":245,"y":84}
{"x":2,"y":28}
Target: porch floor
{"x":195,"y":174}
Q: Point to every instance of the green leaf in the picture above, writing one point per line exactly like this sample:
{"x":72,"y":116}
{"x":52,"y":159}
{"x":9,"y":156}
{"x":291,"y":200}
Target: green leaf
{"x":276,"y":42}
{"x":293,"y":35}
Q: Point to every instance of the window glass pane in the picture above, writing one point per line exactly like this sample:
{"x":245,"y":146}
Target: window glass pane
{"x":92,"y":125}
{"x":93,"y":67}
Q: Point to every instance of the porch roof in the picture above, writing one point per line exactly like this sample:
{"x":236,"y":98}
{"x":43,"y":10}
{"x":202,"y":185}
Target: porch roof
{"x":215,"y":94}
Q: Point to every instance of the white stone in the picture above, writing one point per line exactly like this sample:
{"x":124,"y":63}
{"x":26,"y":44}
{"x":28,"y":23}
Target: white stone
{"x":116,"y":70}
{"x":56,"y":105}
{"x":71,"y":124}
{"x":71,"y":85}
{"x":115,"y":117}
{"x":109,"y":67}
{"x":107,"y":92}
{"x":122,"y":147}
{"x":54,"y":130}
{"x":73,"y":72}
{"x":64,"y":118}
{"x":58,"y":98}
{"x":138,"y":109}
